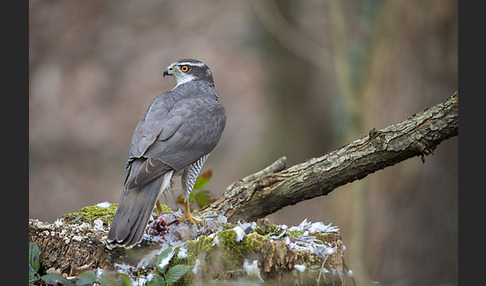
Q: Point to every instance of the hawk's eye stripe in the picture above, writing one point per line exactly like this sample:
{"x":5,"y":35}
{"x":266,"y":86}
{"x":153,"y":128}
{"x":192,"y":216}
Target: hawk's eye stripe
{"x":184,"y":68}
{"x":192,"y":64}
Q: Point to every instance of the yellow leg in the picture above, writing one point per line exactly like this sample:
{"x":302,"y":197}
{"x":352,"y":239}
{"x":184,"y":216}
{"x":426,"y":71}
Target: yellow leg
{"x":159,"y":207}
{"x":187,"y":215}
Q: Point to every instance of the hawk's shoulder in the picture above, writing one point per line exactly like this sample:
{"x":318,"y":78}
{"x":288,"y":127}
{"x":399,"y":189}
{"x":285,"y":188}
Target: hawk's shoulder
{"x":179,"y":126}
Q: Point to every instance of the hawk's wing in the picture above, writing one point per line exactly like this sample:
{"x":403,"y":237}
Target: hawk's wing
{"x":175,"y":135}
{"x":150,"y":126}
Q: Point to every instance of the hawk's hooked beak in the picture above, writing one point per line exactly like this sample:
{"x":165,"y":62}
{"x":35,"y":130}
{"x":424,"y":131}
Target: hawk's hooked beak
{"x":168,"y":71}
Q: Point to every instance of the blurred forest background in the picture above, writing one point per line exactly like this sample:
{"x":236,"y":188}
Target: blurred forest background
{"x":297,"y":78}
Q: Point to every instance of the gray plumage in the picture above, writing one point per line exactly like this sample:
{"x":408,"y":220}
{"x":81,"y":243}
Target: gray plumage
{"x":174,"y":137}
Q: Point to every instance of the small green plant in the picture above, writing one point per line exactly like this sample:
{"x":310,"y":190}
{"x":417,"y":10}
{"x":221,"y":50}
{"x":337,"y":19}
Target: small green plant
{"x":84,"y":278}
{"x":33,"y":262}
{"x":167,"y":275}
{"x":34,"y":265}
{"x":201,"y":197}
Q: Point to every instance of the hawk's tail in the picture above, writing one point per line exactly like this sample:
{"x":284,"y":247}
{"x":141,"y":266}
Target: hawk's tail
{"x":133,"y":212}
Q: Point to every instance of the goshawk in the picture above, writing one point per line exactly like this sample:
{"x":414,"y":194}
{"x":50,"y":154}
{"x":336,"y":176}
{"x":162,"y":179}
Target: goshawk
{"x":173,"y":138}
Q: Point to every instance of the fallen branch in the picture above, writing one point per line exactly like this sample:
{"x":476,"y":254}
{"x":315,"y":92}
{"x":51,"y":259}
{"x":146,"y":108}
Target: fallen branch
{"x":273,"y":188}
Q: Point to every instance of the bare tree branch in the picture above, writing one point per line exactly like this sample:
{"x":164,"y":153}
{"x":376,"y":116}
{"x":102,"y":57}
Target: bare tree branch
{"x":418,"y":135}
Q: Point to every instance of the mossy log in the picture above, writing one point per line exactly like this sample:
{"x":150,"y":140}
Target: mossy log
{"x":70,"y":247}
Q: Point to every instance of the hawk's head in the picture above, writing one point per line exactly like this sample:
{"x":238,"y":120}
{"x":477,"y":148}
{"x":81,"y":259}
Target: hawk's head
{"x":187,"y":70}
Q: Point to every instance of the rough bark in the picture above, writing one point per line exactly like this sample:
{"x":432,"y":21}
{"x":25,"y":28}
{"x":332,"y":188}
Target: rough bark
{"x":259,"y":195}
{"x":71,"y":247}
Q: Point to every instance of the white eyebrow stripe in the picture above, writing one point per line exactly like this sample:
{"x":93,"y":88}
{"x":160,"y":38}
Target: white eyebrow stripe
{"x":190,"y":64}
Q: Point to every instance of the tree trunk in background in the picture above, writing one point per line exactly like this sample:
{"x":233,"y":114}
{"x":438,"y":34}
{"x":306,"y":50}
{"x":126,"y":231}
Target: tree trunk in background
{"x":408,"y":206}
{"x":299,"y":133}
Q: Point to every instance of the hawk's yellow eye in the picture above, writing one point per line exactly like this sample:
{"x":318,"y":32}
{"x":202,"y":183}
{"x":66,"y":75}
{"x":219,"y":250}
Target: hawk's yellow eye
{"x":184,"y":68}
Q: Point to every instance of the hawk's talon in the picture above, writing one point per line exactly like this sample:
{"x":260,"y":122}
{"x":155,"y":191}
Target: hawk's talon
{"x":187,"y":216}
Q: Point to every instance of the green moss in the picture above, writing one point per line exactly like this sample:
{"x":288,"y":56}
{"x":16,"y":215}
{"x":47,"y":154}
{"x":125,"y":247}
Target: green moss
{"x":320,"y":236}
{"x":228,"y":225}
{"x":306,"y":259}
{"x":236,"y":251}
{"x":194,"y":248}
{"x":232,"y":253}
{"x":165,"y":209}
{"x":201,"y":249}
{"x":295,"y":232}
{"x":266,"y":228}
{"x":223,"y":260}
{"x":90,"y":213}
